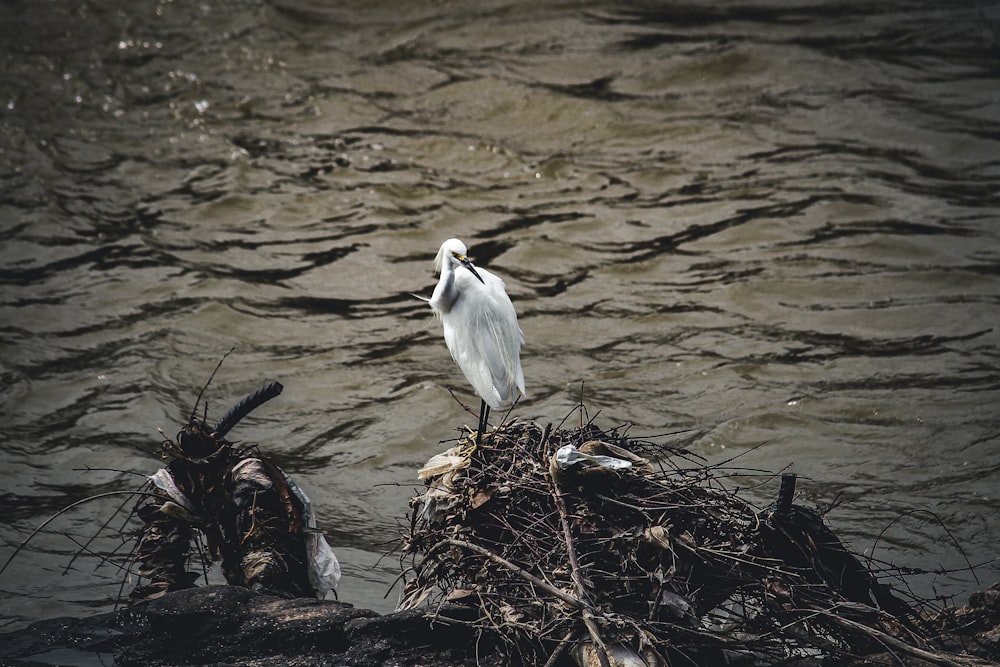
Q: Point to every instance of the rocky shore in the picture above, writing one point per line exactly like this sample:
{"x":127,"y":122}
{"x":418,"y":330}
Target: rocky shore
{"x":230,"y":625}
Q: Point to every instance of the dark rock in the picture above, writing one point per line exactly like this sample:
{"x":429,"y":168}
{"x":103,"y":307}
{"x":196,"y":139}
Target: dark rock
{"x":229,"y":625}
{"x":226,"y":626}
{"x":62,"y":641}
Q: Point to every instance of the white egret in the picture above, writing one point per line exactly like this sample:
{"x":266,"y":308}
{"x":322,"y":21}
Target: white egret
{"x":480,"y":328}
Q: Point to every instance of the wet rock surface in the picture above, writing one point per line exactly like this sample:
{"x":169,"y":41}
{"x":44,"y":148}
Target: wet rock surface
{"x":229,"y":625}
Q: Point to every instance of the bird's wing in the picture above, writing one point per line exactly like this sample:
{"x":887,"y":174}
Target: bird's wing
{"x":482,"y":333}
{"x":501,"y":320}
{"x":465,"y":334}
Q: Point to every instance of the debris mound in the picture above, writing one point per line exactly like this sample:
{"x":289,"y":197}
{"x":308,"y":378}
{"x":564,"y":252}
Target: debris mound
{"x":253,"y":516}
{"x":562,"y":546}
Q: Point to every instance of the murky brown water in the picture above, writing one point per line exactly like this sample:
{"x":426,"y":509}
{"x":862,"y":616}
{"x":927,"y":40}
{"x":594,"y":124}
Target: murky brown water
{"x":776,"y":223}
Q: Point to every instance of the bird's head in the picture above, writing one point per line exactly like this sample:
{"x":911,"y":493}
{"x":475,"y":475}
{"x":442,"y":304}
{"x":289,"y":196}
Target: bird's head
{"x":454,"y":251}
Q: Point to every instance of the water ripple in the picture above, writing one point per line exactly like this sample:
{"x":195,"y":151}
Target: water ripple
{"x":771,"y":223}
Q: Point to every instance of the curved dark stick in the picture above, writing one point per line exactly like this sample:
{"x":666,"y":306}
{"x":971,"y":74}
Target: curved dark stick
{"x":786,"y":493}
{"x":246,"y":406}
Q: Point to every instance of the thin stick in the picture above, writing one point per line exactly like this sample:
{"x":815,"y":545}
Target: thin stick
{"x":87,"y":468}
{"x":898,"y":644}
{"x":459,"y":401}
{"x":66,"y":509}
{"x":211,"y":377}
{"x":560,"y":649}
{"x":940,"y":521}
{"x":127,"y":571}
{"x":101,"y":557}
{"x":527,"y":576}
{"x":581,"y":590}
{"x":86,"y":545}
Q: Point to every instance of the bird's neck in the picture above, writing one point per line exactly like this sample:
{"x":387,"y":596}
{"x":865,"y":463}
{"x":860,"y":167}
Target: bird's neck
{"x":444,"y":295}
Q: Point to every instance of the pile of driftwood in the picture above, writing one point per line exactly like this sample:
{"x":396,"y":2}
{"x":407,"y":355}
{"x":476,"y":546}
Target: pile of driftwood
{"x":251,"y":515}
{"x":587,"y":546}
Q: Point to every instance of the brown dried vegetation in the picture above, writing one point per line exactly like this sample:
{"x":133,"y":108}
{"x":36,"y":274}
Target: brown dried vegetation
{"x":657,"y":565}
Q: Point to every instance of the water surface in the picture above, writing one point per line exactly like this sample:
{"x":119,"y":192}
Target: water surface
{"x":772,"y":230}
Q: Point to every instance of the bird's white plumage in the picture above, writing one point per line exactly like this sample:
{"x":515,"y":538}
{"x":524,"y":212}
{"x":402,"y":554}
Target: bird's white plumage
{"x":480,"y":325}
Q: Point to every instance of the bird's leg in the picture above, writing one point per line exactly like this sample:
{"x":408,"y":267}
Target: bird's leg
{"x":484,"y":419}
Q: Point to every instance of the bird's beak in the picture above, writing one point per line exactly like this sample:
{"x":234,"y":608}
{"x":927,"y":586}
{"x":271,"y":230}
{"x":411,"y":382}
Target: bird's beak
{"x":467,"y":263}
